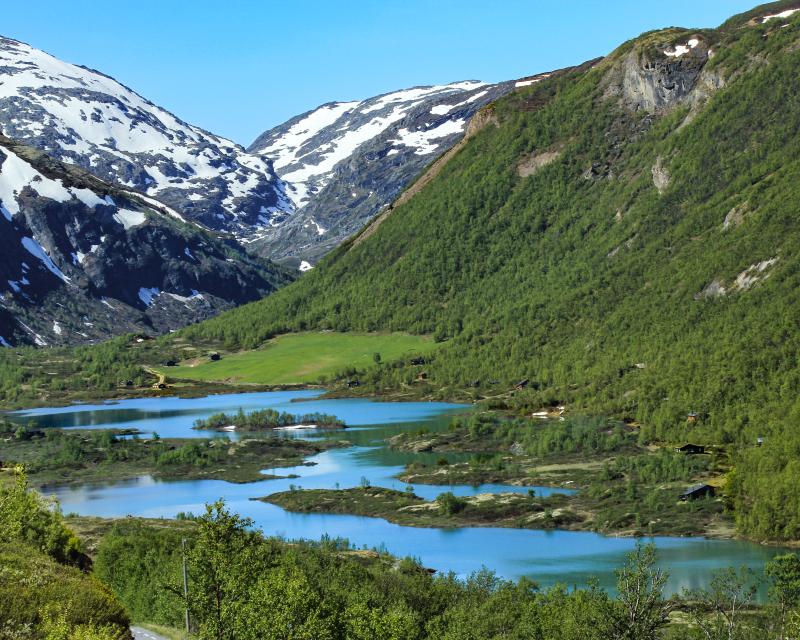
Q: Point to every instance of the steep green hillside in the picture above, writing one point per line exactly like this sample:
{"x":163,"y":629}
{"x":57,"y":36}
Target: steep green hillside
{"x":658,"y":226}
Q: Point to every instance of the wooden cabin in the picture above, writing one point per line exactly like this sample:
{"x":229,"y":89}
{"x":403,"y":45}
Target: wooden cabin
{"x":692,"y":417}
{"x":353,"y":383}
{"x":759,"y":441}
{"x":522,"y":384}
{"x":690,"y":449}
{"x":422,"y":376}
{"x":697,"y":491}
{"x":475,"y":383}
{"x":169,"y":363}
{"x":416,"y":361}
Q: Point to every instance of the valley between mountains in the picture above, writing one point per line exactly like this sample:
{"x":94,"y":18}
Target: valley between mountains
{"x":579,"y":291}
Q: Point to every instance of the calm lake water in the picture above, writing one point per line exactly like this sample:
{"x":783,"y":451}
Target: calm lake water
{"x":548,"y":557}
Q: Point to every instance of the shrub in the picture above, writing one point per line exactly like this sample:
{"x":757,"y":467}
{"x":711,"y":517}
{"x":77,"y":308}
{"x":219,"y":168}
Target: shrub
{"x":450,"y":505}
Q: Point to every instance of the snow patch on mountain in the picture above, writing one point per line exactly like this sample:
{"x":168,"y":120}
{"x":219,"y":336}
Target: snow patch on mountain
{"x":128,"y":218}
{"x":147,"y":295}
{"x":83,"y":117}
{"x":306,"y":149}
{"x":36,"y":250}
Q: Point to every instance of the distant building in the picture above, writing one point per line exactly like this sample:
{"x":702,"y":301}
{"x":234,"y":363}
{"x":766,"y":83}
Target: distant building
{"x":422,"y":376}
{"x":353,"y":383}
{"x":521,"y":384}
{"x":697,"y":491}
{"x":475,"y":383}
{"x":169,"y":363}
{"x":692,"y":417}
{"x":493,"y":382}
{"x":213,"y":357}
{"x":759,"y":442}
{"x":691,"y":449}
{"x":416,"y":361}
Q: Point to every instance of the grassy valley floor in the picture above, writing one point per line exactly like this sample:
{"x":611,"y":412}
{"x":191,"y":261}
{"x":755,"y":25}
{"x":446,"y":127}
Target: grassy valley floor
{"x":301,"y":358}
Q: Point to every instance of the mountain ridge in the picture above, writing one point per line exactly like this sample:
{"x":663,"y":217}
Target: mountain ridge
{"x":86,"y":117}
{"x":346,"y":160}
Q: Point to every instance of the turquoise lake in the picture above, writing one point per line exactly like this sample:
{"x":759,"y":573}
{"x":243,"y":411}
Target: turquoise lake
{"x":548,"y":557}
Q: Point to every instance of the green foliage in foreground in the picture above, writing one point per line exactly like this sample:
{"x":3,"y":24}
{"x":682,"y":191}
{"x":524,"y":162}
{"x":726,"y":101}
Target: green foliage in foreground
{"x":43,"y":592}
{"x":577,"y":273}
{"x":243,"y":585}
{"x":267,"y":419}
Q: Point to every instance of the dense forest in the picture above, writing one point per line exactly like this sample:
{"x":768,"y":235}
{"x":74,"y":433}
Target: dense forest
{"x":665,"y":239}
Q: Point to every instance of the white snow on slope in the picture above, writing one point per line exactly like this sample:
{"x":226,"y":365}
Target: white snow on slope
{"x":682,"y":48}
{"x":36,"y":250}
{"x":422,"y":141}
{"x":305,"y":154}
{"x":128,"y":218}
{"x":16,"y":174}
{"x":147,"y":295}
{"x":305,"y":266}
{"x":444,"y":109}
{"x":97,"y":117}
{"x":782,"y":14}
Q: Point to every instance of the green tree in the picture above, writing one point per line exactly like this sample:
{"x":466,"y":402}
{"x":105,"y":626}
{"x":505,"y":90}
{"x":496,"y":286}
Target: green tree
{"x":783,"y":576}
{"x":224,"y":568}
{"x":28,"y":516}
{"x":717,"y":611}
{"x":638,"y":612}
{"x":376,"y":357}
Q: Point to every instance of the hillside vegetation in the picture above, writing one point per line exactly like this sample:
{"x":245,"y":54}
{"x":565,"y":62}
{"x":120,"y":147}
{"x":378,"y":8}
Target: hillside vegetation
{"x":656,"y":225}
{"x":305,"y":357}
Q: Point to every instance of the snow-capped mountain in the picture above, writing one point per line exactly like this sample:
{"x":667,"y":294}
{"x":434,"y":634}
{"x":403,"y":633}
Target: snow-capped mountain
{"x":86,"y":118}
{"x":83,"y":259}
{"x":345,"y":160}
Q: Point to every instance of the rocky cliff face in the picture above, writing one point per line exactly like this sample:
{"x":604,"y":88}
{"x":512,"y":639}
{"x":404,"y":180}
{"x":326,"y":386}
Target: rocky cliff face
{"x":83,"y":260}
{"x":347,"y":160}
{"x":658,"y":78}
{"x":85,"y":118}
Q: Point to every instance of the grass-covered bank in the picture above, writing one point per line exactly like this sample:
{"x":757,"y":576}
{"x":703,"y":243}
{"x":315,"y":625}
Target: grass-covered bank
{"x":614,"y":513}
{"x":623,"y":486}
{"x":93,"y":455}
{"x":512,"y":510}
{"x":304,"y":357}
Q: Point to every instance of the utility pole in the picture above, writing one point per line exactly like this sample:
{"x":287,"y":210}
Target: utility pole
{"x":185,"y":585}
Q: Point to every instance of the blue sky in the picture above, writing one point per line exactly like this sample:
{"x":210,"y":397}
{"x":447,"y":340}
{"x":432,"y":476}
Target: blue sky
{"x":238,"y":68}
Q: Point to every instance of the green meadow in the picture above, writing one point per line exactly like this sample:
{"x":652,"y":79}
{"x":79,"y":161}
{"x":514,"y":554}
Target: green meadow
{"x":303,"y":357}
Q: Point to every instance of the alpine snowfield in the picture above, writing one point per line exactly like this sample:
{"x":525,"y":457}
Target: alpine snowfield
{"x":345,"y":160}
{"x":86,"y":118}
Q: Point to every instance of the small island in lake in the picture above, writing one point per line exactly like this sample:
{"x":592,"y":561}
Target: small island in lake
{"x":57,"y":456}
{"x":268,"y":420}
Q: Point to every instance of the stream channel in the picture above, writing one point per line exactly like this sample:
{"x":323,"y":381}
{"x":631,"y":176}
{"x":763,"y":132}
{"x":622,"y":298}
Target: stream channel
{"x":548,"y":557}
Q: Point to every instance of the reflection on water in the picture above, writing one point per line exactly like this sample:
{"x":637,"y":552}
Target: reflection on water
{"x":548,"y":557}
